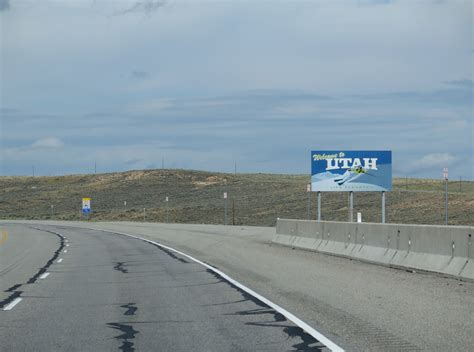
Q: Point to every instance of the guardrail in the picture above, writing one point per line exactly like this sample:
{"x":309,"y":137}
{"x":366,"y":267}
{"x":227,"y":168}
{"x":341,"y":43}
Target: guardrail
{"x":448,"y":250}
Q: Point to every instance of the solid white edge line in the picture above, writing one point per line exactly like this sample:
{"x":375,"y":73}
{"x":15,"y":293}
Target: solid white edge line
{"x":13,"y":303}
{"x":59,"y":260}
{"x":44,"y":276}
{"x":317,"y":335}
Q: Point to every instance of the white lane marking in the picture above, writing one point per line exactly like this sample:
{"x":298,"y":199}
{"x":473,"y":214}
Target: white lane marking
{"x":65,"y":251}
{"x":67,"y":245}
{"x":13,"y":303}
{"x":60,"y":260}
{"x":317,"y":335}
{"x":44,"y":276}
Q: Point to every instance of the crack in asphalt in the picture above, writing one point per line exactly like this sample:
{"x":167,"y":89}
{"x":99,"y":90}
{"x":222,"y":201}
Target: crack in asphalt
{"x":130,"y":308}
{"x":171,"y":254}
{"x":119,"y":266}
{"x":128,"y":333}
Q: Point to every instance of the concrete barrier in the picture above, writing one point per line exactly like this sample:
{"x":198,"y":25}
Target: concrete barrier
{"x":448,"y":250}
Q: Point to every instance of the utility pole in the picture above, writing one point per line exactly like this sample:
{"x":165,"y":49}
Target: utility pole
{"x":235,"y":168}
{"x":33,"y":171}
{"x":162,"y":163}
{"x":95,"y":167}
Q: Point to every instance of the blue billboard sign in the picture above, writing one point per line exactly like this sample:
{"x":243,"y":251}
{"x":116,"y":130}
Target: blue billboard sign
{"x":352,"y":170}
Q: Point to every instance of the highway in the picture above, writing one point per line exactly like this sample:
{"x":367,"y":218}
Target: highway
{"x":73,"y":286}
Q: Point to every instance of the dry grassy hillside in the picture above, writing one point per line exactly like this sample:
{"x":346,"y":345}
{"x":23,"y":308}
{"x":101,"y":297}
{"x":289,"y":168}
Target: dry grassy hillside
{"x":197,"y":197}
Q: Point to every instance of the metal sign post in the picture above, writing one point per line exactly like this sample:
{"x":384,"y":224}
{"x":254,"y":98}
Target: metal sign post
{"x":445,"y":176}
{"x":319,"y":206}
{"x":383,"y":207}
{"x":308,"y":192}
{"x":225,"y":208}
{"x":351,"y":206}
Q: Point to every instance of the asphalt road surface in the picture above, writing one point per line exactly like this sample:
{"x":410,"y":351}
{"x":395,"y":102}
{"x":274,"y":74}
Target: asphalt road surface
{"x":84,"y":290}
{"x":113,"y":292}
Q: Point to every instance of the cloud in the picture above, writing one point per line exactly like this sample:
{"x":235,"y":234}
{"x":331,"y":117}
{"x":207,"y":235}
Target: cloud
{"x":463,"y":83}
{"x":140,"y":74}
{"x":4,"y":5}
{"x":133,"y":161}
{"x":434,"y":160}
{"x":51,"y":142}
{"x":8,"y":110}
{"x":146,"y":7}
{"x":374,"y":2}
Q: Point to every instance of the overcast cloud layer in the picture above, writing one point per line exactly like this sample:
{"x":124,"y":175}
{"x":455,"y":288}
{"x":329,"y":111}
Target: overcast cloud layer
{"x":204,"y":84}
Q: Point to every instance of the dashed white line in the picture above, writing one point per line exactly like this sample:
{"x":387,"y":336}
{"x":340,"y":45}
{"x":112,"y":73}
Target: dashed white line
{"x":59,"y":260}
{"x":65,"y":251}
{"x":13,"y":303}
{"x":44,"y":276}
{"x":313,"y":332}
{"x":67,"y":245}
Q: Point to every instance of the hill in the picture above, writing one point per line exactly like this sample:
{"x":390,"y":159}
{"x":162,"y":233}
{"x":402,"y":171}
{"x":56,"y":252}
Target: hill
{"x":197,"y":197}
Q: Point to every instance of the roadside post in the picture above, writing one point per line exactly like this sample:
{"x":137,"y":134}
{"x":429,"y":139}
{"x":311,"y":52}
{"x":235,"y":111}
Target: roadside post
{"x":225,"y":208}
{"x":144,"y":214}
{"x":167,"y":210}
{"x":233,"y":212}
{"x":308,"y":192}
{"x":445,"y":176}
{"x":52,"y":211}
{"x":359,"y":217}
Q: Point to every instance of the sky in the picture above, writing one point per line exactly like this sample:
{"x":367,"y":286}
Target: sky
{"x":211,"y":85}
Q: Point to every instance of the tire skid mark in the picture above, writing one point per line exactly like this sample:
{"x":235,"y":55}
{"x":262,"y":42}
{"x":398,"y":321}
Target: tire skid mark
{"x":14,"y":289}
